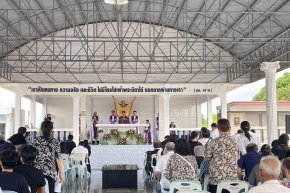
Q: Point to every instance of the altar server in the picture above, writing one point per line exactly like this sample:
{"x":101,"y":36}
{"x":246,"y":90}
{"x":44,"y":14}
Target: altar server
{"x":95,"y":120}
{"x":135,"y":120}
{"x":113,"y":119}
{"x":147,"y":133}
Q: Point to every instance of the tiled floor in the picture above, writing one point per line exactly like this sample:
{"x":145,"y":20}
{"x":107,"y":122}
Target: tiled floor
{"x":94,"y":185}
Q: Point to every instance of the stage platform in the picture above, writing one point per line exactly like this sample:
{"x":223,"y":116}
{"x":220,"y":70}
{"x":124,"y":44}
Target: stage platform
{"x":118,"y":154}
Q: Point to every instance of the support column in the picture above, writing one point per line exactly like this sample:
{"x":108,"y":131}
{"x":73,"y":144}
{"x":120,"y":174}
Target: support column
{"x":32,"y":112}
{"x":83,"y":120}
{"x":8,"y":126}
{"x":209,"y":111}
{"x":224,"y":104}
{"x":17,"y":112}
{"x":76,"y":113}
{"x":89,"y":116}
{"x":270,"y":69}
{"x":154,"y":123}
{"x":44,"y":111}
{"x":198,"y":114}
{"x":163,"y":116}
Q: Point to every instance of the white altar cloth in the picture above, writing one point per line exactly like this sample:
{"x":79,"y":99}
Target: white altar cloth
{"x":118,"y":154}
{"x":122,"y":125}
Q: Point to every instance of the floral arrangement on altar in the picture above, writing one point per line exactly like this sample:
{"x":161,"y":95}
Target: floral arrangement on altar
{"x":106,"y":137}
{"x":140,"y":139}
{"x":123,"y":141}
{"x":128,"y":137}
{"x":130,"y":134}
{"x":115,"y":134}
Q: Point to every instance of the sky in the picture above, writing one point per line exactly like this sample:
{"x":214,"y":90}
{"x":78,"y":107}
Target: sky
{"x":243,"y":93}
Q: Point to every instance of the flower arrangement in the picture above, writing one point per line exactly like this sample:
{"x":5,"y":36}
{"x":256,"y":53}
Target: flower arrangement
{"x":123,"y":141}
{"x":130,"y":131}
{"x":140,"y":139}
{"x":130,"y":134}
{"x":115,"y":134}
{"x":107,"y":137}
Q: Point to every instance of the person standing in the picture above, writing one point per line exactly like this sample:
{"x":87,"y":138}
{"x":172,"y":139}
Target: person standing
{"x":95,"y":120}
{"x":222,"y":154}
{"x":247,"y":137}
{"x":172,"y":125}
{"x":48,"y":158}
{"x":156,"y":133}
{"x":113,"y":119}
{"x":147,"y":133}
{"x":214,"y":131}
{"x":135,"y":120}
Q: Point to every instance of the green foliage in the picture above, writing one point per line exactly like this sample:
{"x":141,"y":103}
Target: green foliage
{"x":283,"y":89}
{"x":214,"y":118}
{"x":204,"y":120}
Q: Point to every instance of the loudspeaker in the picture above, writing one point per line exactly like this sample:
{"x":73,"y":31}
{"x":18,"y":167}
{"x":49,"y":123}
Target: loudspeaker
{"x":287,"y":119}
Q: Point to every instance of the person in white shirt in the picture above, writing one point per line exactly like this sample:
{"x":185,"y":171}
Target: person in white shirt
{"x":214,"y":131}
{"x":238,"y":135}
{"x":270,"y":168}
{"x":247,"y":137}
{"x":135,"y":120}
{"x":161,"y":164}
{"x":81,"y":149}
{"x":205,"y":135}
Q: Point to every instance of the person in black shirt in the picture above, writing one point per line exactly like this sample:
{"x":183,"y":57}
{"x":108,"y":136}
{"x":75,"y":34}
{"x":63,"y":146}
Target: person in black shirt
{"x":4,"y":145}
{"x":33,"y":175}
{"x":70,"y":144}
{"x":10,"y":180}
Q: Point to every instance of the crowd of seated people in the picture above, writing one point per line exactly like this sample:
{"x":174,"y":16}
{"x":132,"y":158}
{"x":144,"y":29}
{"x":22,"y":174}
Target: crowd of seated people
{"x":220,"y":156}
{"x":31,"y":167}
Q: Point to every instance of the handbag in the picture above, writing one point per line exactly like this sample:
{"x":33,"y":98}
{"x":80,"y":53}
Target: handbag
{"x":186,"y":161}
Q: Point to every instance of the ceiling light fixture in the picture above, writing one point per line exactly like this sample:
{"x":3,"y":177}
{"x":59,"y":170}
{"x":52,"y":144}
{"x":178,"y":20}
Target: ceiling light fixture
{"x":117,"y":2}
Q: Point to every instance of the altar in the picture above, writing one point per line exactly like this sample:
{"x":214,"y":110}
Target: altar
{"x":118,"y":154}
{"x":121,"y":126}
{"x":123,"y":134}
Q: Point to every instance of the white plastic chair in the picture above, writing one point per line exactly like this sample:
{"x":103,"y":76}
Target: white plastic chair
{"x":233,"y":186}
{"x":154,"y":159}
{"x":7,"y":191}
{"x":205,"y":182}
{"x":66,"y":166}
{"x":46,"y":186}
{"x":79,"y":164}
{"x":184,"y":185}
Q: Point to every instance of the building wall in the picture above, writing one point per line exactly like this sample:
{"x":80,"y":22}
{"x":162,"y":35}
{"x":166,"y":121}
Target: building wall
{"x":258,"y":121}
{"x":183,"y":111}
{"x":61,"y":109}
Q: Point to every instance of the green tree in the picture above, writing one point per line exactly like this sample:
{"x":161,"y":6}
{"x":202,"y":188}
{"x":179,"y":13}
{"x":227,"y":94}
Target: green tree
{"x":204,"y":120}
{"x":283,"y":89}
